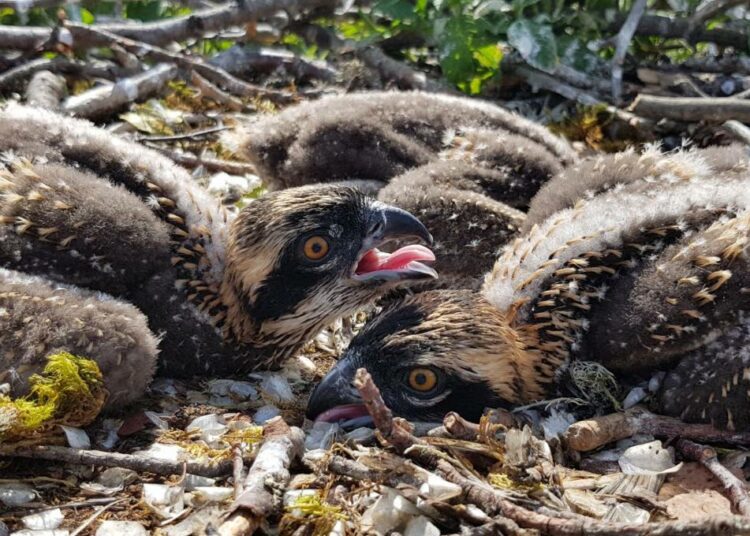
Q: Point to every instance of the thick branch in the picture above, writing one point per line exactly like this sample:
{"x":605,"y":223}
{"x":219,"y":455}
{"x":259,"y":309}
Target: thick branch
{"x":692,"y":109}
{"x":670,"y":27}
{"x":116,"y":459}
{"x":622,"y":42}
{"x":106,"y":100}
{"x":593,"y":433}
{"x":46,"y":90}
{"x":164,"y":32}
{"x":12,"y":78}
{"x":266,"y":480}
{"x":735,"y":488}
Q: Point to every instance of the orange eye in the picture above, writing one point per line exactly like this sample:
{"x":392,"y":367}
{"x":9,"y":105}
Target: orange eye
{"x":316,"y":247}
{"x":422,"y":379}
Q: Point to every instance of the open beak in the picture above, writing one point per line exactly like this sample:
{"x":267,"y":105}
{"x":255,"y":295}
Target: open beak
{"x":336,"y":400}
{"x":385,"y":224}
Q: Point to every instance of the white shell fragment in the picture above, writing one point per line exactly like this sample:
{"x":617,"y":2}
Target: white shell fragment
{"x":390,"y":512}
{"x":266,"y":413}
{"x":421,"y":526}
{"x":213,"y":493}
{"x":110,"y":482}
{"x":192,"y":482}
{"x":636,"y":395}
{"x":322,"y":435}
{"x":211,"y":427}
{"x":276,"y":389}
{"x":45,"y":520}
{"x":162,"y":451}
{"x":121,"y":528}
{"x":165,"y":500}
{"x":77,"y":438}
{"x":437,"y":488}
{"x":238,"y":391}
{"x":16,"y":494}
{"x":43,"y":532}
{"x":648,"y":459}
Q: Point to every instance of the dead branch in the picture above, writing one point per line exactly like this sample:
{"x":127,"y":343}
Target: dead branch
{"x":240,"y":60}
{"x":116,"y":459}
{"x":484,"y":496}
{"x":735,"y":488}
{"x":545,"y":81}
{"x":671,"y":27}
{"x":190,"y":136}
{"x":395,"y":431}
{"x":13,"y":78}
{"x":710,"y":9}
{"x":738,"y":130}
{"x":46,"y":90}
{"x":167,"y":31}
{"x":593,"y":433}
{"x":212,"y":92}
{"x":456,"y":426}
{"x":237,"y":468}
{"x":212,"y":164}
{"x":692,"y":109}
{"x":622,"y":42}
{"x":266,"y":480}
{"x":106,"y":100}
{"x":387,"y":67}
{"x":96,"y":37}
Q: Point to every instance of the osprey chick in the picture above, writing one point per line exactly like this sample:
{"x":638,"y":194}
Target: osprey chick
{"x":640,"y":264}
{"x":91,"y":212}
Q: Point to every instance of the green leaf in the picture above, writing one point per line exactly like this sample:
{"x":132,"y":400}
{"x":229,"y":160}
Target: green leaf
{"x":144,"y":10}
{"x":489,"y":56}
{"x":400,"y":10}
{"x":535,"y":42}
{"x":87,"y":17}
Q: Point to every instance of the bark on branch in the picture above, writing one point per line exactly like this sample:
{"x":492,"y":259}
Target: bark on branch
{"x":692,"y":109}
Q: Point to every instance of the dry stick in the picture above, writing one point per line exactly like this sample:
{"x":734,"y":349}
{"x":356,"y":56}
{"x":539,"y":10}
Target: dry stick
{"x":239,"y":60}
{"x":622,"y":42}
{"x":12,"y":78}
{"x":175,"y":29}
{"x":116,"y":459}
{"x":237,"y":467}
{"x":456,"y":426}
{"x":212,"y":92}
{"x":670,"y":27}
{"x":104,"y":101}
{"x":692,"y":109}
{"x":194,"y":135}
{"x":396,"y":431}
{"x":212,"y":164}
{"x":46,"y":90}
{"x":738,"y":130}
{"x":734,"y":487}
{"x":92,"y":36}
{"x":484,"y":496}
{"x":710,"y":9}
{"x":593,"y":433}
{"x":266,"y":480}
{"x":93,"y":517}
{"x":545,"y":81}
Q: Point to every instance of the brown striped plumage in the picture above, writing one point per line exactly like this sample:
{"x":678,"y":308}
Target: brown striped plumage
{"x":636,"y":261}
{"x":223,"y":293}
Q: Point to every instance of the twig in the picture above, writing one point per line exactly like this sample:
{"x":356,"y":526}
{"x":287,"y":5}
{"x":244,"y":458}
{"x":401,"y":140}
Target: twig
{"x":219,"y":76}
{"x":13,"y":78}
{"x":591,"y":434}
{"x":671,"y":27}
{"x":735,"y":488}
{"x":543,"y":80}
{"x":212,"y":164}
{"x":46,"y":90}
{"x":240,"y":60}
{"x":691,"y":109}
{"x":194,"y":135}
{"x":710,"y":9}
{"x":237,"y":468}
{"x":212,"y":92}
{"x":622,"y":42}
{"x":167,"y":31}
{"x":484,"y":496}
{"x":456,"y":426}
{"x":94,"y":516}
{"x":266,"y":480}
{"x":116,"y":459}
{"x":106,"y":100}
{"x":738,"y":130}
{"x":394,"y":431}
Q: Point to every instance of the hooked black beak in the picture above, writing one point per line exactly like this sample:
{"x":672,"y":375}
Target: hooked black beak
{"x":386,"y":223}
{"x":335,"y":399}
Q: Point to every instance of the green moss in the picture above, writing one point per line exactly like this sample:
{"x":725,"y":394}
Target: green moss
{"x":69,"y":391}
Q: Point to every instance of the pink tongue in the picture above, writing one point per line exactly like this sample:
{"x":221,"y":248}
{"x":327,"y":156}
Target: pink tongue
{"x":375,"y":260}
{"x":342,"y":413}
